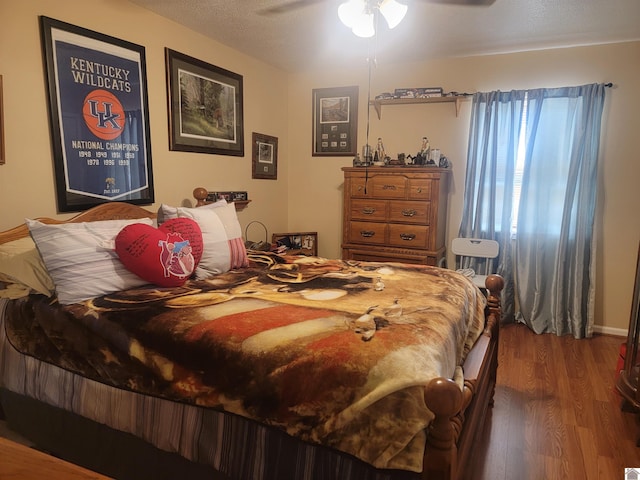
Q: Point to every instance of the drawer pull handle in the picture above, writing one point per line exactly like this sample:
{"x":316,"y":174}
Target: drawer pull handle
{"x":419,"y":189}
{"x":409,"y":212}
{"x":388,"y":187}
{"x":367,"y":233}
{"x":368,"y":210}
{"x":407,"y":236}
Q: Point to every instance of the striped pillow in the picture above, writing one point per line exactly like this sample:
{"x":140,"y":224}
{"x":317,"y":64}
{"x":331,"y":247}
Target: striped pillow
{"x":81,"y":259}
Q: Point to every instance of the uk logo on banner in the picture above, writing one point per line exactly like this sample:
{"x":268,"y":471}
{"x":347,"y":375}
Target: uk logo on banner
{"x":103,"y":114}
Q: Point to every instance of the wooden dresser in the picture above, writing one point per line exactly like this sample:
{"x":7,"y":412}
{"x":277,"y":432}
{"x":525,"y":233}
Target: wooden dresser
{"x":395,"y":214}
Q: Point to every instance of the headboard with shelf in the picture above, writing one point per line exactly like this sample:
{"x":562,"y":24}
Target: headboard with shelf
{"x":104,"y":211}
{"x":108,"y":211}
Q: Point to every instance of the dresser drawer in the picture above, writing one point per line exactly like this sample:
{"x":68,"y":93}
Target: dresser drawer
{"x":368,"y":209}
{"x":388,"y":186}
{"x":409,"y":212}
{"x":367,"y":232}
{"x":409,"y":236}
{"x":380,"y":186}
{"x":420,"y":188}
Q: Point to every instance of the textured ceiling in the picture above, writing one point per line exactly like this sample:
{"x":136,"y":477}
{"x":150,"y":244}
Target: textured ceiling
{"x":305,"y":38}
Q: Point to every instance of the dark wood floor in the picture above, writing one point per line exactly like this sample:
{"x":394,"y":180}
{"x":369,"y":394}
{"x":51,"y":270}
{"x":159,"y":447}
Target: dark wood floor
{"x":557,"y":414}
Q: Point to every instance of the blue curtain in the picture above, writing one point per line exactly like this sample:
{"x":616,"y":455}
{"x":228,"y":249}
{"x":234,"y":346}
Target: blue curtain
{"x":549,"y":267}
{"x":496,"y":118}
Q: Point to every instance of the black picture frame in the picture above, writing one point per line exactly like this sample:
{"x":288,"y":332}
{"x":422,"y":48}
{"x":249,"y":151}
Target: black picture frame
{"x":335,"y":122}
{"x":296,"y":243}
{"x":99,"y":117}
{"x":205,"y":106}
{"x":2,"y":158}
{"x":264,"y":162}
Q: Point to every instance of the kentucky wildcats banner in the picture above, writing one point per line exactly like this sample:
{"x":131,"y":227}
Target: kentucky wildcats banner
{"x":99,"y":117}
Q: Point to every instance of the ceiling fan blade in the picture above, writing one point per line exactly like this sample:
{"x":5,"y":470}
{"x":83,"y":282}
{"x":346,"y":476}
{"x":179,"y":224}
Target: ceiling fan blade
{"x":288,"y":6}
{"x":470,"y":3}
{"x":291,"y":5}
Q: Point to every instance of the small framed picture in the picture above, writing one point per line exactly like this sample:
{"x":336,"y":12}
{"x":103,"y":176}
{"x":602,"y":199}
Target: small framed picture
{"x":265,"y":156}
{"x":296,"y":243}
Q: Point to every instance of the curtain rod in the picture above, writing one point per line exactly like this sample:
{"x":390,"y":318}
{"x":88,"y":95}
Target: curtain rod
{"x":608,"y":84}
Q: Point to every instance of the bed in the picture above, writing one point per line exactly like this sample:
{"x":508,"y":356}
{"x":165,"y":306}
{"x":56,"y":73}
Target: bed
{"x":276,"y":367}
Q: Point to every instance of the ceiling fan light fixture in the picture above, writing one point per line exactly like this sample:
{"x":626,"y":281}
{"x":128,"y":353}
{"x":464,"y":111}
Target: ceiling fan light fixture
{"x":393,"y":12}
{"x":363,"y":26}
{"x":351,"y":11}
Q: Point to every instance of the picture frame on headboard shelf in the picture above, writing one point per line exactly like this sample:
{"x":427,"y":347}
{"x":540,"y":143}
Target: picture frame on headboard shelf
{"x":99,"y":117}
{"x":264,"y":162}
{"x":205,"y":106}
{"x":296,"y":243}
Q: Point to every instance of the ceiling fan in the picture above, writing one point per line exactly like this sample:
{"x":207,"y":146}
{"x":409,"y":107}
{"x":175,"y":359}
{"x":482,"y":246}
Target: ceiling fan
{"x":291,"y":5}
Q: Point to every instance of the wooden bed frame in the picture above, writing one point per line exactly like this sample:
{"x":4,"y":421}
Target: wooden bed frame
{"x":453,"y":436}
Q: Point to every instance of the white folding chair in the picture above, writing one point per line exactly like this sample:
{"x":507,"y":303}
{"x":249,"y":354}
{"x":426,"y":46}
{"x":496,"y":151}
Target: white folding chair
{"x":477,"y":248}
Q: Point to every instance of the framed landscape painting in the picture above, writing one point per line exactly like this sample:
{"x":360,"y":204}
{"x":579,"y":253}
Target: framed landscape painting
{"x":205,"y":106}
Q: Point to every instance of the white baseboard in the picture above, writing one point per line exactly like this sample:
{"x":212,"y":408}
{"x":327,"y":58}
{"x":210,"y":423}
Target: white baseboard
{"x":618,"y":332}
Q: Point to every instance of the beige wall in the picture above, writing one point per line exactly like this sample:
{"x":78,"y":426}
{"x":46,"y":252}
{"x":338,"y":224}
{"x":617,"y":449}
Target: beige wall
{"x":26,"y":180}
{"x":315,"y":182}
{"x":307,"y":194}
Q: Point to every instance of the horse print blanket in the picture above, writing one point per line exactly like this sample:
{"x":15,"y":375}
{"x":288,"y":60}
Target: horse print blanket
{"x":333,"y":352}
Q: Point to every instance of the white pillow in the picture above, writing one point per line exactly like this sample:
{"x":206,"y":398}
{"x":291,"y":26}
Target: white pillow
{"x":222,"y":245}
{"x":167,"y":212}
{"x":81,"y":260}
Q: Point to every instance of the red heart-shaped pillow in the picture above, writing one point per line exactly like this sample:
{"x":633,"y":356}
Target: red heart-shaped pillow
{"x":165,"y":256}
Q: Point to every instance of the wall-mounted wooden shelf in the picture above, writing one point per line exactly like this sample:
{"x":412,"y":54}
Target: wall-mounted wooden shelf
{"x":241,"y":204}
{"x":405,"y":101}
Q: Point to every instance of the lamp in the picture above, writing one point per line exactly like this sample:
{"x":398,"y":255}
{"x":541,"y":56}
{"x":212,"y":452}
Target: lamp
{"x":393,"y":12}
{"x":358,"y":15}
{"x":363,"y":26}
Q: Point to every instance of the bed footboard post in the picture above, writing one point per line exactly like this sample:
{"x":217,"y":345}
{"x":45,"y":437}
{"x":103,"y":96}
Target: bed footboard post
{"x":444,"y":398}
{"x":495,"y":284}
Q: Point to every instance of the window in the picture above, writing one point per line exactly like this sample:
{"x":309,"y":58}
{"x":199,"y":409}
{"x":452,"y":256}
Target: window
{"x":519,"y":170}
